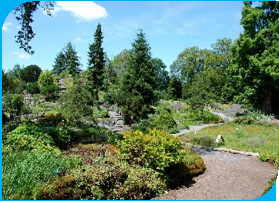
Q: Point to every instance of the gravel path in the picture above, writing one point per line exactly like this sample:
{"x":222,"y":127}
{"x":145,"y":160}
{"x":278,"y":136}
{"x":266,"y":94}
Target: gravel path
{"x":227,"y":177}
{"x":194,"y":128}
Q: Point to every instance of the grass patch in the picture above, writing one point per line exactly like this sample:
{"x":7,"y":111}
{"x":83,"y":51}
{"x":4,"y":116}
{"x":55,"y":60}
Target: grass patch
{"x":261,"y":138}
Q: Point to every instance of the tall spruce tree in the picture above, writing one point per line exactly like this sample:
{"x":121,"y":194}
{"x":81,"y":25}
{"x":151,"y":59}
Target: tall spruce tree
{"x":96,"y":64}
{"x":59,"y":63}
{"x":72,"y":60}
{"x":137,"y":90}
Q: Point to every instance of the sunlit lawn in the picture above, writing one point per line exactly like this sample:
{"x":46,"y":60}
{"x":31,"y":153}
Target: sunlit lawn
{"x":261,"y":138}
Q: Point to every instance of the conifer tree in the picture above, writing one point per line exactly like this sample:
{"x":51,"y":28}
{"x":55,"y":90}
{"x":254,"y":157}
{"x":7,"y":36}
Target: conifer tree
{"x":96,"y":64}
{"x":72,"y":60}
{"x":138,"y":84}
{"x":59,"y":63}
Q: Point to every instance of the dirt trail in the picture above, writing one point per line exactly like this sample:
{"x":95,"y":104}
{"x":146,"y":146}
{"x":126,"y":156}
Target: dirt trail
{"x":227,"y":177}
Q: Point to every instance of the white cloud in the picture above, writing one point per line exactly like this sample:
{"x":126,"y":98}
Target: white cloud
{"x":6,"y":26}
{"x":21,"y":55}
{"x":77,"y":39}
{"x":83,"y":10}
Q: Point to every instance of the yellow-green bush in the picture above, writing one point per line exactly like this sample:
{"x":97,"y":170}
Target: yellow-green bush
{"x":155,"y":149}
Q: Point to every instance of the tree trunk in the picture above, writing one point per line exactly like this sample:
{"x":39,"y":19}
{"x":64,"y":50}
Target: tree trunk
{"x":267,"y":103}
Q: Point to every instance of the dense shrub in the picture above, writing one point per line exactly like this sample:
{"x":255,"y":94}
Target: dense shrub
{"x":25,"y":172}
{"x":165,"y":121}
{"x":76,"y":103}
{"x":30,"y":73}
{"x":29,"y":137}
{"x":5,"y":118}
{"x":190,"y":166}
{"x":107,"y":178}
{"x":244,"y":120}
{"x":100,"y":112}
{"x":48,"y":86}
{"x":62,"y":136}
{"x":206,"y":117}
{"x":8,"y":127}
{"x":155,"y":149}
{"x":50,"y":91}
{"x":33,"y":88}
{"x":13,"y":103}
{"x":53,"y":118}
{"x":161,"y":152}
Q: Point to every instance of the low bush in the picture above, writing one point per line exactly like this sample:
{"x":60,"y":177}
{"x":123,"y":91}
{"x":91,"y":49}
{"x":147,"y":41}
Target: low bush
{"x":25,"y":172}
{"x":33,"y":88}
{"x":100,"y":112}
{"x":190,"y":166}
{"x":244,"y":120}
{"x":165,"y":121}
{"x":155,"y":149}
{"x":13,"y":103}
{"x":107,"y":178}
{"x":29,"y":137}
{"x":53,"y":118}
{"x":207,"y":141}
{"x":8,"y":127}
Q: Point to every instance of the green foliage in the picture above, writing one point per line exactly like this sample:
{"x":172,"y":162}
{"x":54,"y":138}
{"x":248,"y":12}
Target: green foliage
{"x":47,"y":84}
{"x":207,"y":141}
{"x":117,"y":67}
{"x":190,"y":166}
{"x":175,"y":88}
{"x":107,"y":178}
{"x":244,"y":120}
{"x":60,"y":63}
{"x":96,"y":62}
{"x":8,"y":127}
{"x":206,"y":117}
{"x":29,"y":137}
{"x":165,"y":121}
{"x":76,"y":102}
{"x":25,"y":18}
{"x":30,"y":73}
{"x":199,"y":97}
{"x":25,"y":172}
{"x":133,"y":108}
{"x":33,"y":88}
{"x":155,"y":149}
{"x":100,"y":112}
{"x":188,"y":63}
{"x":253,"y":77}
{"x":6,"y":82}
{"x":72,"y":60}
{"x":53,"y":118}
{"x":137,"y":88}
{"x":13,"y":103}
{"x":161,"y":78}
{"x":15,"y":72}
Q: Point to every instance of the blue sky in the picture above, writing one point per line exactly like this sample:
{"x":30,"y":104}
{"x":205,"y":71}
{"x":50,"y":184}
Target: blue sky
{"x":170,"y":27}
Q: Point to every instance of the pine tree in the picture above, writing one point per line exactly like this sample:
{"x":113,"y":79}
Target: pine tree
{"x":72,"y":60}
{"x":59,"y":63}
{"x":138,"y":83}
{"x":96,"y":64}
